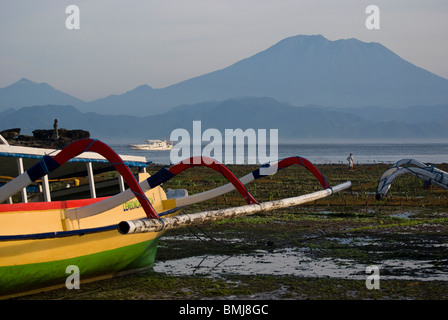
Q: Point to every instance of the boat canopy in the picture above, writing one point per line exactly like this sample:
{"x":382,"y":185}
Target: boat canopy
{"x":17,"y":159}
{"x":30,"y":156}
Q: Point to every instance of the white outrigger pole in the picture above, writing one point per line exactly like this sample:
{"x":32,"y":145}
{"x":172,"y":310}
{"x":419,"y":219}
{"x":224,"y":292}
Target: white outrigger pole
{"x":421,"y":170}
{"x":153,"y":225}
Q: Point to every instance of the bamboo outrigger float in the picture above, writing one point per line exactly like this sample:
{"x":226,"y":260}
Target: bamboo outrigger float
{"x":106,"y":235}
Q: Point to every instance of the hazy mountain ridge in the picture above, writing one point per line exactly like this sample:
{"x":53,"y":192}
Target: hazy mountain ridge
{"x":299,"y":70}
{"x":308,"y":122}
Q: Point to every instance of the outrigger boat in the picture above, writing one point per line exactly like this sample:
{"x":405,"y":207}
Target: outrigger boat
{"x":427,"y":172}
{"x":104,"y":236}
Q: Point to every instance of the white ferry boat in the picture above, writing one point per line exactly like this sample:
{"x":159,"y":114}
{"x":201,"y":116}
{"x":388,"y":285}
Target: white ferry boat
{"x":153,"y":145}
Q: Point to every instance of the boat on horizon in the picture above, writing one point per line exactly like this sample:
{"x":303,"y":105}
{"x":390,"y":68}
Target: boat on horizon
{"x":153,"y":144}
{"x":105,"y":227}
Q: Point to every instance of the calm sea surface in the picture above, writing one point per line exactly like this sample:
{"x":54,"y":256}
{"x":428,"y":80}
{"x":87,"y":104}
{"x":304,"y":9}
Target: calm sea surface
{"x":325,"y":153}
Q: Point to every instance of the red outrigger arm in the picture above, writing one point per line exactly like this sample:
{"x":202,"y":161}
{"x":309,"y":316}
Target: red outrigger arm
{"x":299,"y":161}
{"x":164,"y":174}
{"x":218,"y":167}
{"x":48,"y":164}
{"x":263,"y":171}
{"x":157,"y":179}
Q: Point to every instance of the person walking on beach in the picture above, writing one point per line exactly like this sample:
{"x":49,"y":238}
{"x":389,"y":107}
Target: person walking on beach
{"x":55,"y":130}
{"x":350,"y":162}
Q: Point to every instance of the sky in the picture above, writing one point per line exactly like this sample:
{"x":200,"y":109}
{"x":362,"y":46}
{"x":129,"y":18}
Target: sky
{"x":123,"y":44}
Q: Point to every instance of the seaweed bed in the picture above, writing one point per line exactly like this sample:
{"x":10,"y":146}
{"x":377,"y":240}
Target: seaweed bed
{"x":320,"y":250}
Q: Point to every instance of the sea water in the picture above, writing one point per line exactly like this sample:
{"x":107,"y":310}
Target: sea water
{"x":329,"y":153}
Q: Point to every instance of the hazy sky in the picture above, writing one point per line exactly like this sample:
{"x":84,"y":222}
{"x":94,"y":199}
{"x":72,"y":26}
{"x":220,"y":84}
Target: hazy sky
{"x":123,"y":44}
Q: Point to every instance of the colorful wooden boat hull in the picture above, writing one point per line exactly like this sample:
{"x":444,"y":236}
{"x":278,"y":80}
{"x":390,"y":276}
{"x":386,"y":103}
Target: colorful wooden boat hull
{"x":100,"y":254}
{"x":38,"y":242}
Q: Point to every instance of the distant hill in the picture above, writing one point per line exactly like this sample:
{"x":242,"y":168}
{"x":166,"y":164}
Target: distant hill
{"x":310,"y":122}
{"x":293,"y":123}
{"x":42,"y":117}
{"x":409,"y":115}
{"x":299,"y":70}
{"x":26,"y":93}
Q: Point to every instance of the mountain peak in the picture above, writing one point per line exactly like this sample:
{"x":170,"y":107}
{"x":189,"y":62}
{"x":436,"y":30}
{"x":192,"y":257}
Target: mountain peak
{"x":25,"y":93}
{"x":317,"y":42}
{"x":301,"y":39}
{"x":307,"y":40}
{"x":143,"y":87}
{"x":25,"y":81}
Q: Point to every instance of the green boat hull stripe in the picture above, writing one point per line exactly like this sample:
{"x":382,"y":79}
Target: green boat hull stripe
{"x":33,"y":276}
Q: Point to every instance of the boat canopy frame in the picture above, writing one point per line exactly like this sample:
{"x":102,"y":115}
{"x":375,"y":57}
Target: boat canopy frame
{"x":88,"y":158}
